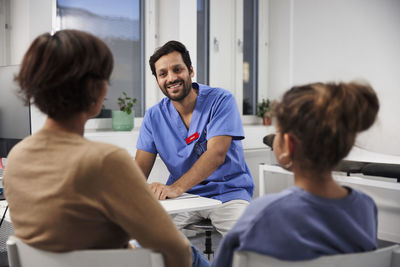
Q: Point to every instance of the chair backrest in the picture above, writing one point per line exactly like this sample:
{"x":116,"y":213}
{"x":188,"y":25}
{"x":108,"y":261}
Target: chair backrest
{"x":23,"y":255}
{"x":384,"y":257}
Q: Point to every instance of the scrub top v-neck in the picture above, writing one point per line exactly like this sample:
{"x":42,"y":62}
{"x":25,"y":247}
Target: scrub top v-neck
{"x":215,"y":114}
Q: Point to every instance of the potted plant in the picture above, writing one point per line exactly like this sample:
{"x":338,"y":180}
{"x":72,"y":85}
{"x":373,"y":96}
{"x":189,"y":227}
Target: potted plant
{"x":122,"y":119}
{"x":264,"y":111}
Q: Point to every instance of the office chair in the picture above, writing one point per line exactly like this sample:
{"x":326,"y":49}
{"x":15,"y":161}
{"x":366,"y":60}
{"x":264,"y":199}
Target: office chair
{"x":206,"y":227}
{"x":23,"y":255}
{"x":383,"y":257}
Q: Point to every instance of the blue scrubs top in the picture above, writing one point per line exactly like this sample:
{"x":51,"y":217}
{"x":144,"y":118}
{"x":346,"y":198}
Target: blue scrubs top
{"x":215,"y":114}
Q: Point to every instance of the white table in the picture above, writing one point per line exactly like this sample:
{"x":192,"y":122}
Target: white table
{"x":188,"y":202}
{"x":272,"y":169}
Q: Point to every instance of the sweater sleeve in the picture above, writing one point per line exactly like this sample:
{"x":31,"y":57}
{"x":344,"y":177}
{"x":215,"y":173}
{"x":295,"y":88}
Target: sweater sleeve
{"x":129,"y":203}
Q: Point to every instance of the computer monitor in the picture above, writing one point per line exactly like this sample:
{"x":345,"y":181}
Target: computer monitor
{"x":15,"y":121}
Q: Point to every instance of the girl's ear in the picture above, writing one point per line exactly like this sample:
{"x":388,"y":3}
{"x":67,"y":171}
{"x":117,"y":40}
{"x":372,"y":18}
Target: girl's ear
{"x":288,"y":144}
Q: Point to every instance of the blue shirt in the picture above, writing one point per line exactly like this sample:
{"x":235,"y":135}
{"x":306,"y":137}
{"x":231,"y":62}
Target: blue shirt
{"x":297,"y":225}
{"x":215,"y":114}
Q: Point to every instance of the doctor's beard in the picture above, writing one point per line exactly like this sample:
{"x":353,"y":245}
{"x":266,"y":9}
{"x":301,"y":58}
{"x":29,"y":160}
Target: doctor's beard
{"x":187,"y":86}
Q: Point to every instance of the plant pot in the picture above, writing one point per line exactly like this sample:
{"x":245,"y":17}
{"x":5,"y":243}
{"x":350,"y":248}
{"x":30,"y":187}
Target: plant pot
{"x":122,"y":121}
{"x":267,"y":121}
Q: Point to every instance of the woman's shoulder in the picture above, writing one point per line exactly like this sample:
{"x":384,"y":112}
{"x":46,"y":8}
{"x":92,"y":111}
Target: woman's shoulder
{"x":102,"y":150}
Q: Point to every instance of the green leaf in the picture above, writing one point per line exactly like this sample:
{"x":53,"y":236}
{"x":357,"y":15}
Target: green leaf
{"x":126,"y":103}
{"x":264,"y":108}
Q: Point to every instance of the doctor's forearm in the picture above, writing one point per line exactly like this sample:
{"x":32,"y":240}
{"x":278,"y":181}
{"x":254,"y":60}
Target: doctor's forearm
{"x":145,"y":160}
{"x":204,"y":167}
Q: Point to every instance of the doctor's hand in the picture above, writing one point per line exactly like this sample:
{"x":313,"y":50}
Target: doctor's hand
{"x":162,"y":191}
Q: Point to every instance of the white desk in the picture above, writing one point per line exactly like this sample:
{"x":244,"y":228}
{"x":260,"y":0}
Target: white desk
{"x":189,"y":203}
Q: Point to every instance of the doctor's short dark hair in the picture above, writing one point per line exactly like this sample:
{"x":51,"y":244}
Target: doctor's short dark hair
{"x":324,"y":119}
{"x":167,"y":48}
{"x":64,"y":74}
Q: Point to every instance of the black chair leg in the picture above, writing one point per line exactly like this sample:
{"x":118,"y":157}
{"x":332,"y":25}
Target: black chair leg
{"x":206,"y":227}
{"x":208,"y":245}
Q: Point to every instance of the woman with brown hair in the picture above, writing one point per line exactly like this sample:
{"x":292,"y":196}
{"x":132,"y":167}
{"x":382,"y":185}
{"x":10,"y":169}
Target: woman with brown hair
{"x":64,"y":191}
{"x":316,"y":127}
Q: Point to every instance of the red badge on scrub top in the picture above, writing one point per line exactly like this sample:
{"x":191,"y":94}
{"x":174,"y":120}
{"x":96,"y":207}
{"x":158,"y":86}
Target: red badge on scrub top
{"x":192,"y":138}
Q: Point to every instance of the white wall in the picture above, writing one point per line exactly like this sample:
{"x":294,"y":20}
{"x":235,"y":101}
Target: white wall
{"x":226,"y":46}
{"x":4,"y":32}
{"x":279,"y":67}
{"x":171,"y":20}
{"x":322,"y":40}
{"x":36,"y":18}
{"x":28,"y":19}
{"x":178,"y":21}
{"x":16,"y":38}
{"x":263,"y":45}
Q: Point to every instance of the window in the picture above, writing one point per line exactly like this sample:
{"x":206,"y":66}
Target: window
{"x":250,"y":55}
{"x":120,"y":24}
{"x":203,"y":33}
{"x":5,"y":48}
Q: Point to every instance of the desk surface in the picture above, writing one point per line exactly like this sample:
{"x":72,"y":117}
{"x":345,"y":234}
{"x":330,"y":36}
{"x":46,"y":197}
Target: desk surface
{"x":189,"y":202}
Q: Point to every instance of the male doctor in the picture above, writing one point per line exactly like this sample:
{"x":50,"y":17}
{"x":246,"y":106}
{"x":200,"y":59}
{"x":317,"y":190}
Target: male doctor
{"x":197,"y":131}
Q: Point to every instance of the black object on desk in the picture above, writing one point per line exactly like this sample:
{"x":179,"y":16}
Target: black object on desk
{"x":382,"y":169}
{"x":372,"y":169}
{"x":349,"y":166}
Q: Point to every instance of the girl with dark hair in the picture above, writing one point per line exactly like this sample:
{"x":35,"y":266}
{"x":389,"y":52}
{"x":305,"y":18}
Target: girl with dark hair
{"x":316,"y":127}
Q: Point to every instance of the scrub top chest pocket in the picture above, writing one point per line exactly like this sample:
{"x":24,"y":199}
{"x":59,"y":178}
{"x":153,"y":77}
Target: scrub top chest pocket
{"x":201,"y":145}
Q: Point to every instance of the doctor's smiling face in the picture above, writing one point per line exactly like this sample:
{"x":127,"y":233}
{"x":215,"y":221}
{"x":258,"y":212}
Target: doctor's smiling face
{"x":173,"y":76}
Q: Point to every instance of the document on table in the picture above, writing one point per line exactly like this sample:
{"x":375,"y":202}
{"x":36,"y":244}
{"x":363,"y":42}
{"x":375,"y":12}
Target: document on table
{"x":189,"y":202}
{"x":184,"y":196}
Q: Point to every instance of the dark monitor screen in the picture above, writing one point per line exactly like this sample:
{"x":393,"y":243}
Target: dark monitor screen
{"x":14,"y":115}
